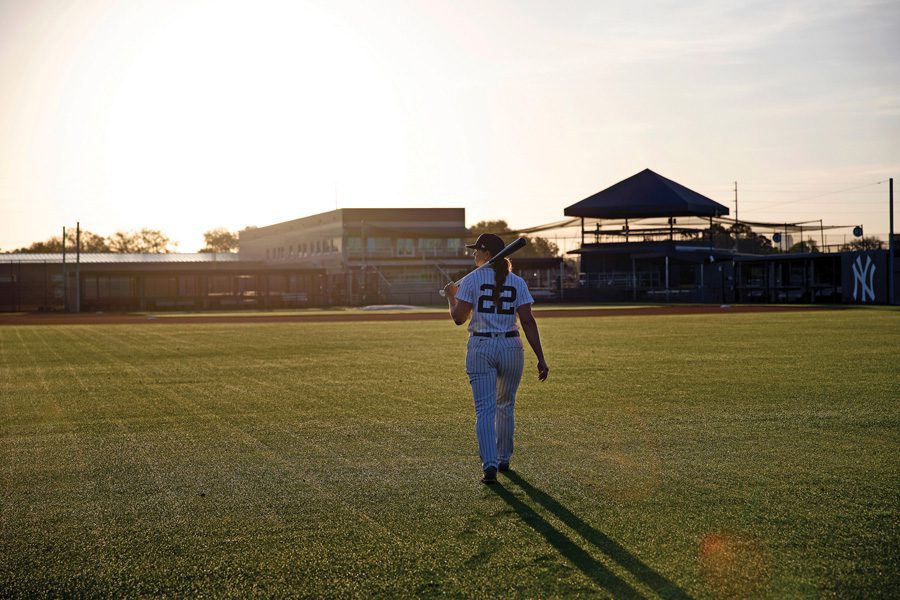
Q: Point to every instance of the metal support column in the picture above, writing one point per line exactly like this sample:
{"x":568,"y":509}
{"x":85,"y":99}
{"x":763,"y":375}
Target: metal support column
{"x":667,"y":278}
{"x":891,"y":274}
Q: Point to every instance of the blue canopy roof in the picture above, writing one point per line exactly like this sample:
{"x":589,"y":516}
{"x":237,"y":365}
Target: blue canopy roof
{"x":646,"y":195}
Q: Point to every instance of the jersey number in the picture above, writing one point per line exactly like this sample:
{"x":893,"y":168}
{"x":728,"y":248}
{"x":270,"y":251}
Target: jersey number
{"x":507,"y":305}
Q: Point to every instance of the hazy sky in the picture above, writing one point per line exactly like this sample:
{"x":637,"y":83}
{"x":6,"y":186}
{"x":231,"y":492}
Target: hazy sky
{"x":191,"y":114}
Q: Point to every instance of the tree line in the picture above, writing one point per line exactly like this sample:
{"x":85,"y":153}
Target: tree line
{"x":220,"y":239}
{"x":141,"y":241}
{"x":537,"y":246}
{"x":744,"y":239}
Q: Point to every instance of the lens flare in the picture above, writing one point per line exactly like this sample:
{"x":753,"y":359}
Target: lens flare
{"x":733,"y":566}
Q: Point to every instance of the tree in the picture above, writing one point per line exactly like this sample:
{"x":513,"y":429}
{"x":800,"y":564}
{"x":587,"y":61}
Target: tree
{"x":539,"y":246}
{"x":536,"y":246}
{"x":808,"y":246}
{"x":90,"y":242}
{"x":145,"y":241}
{"x":220,"y":240}
{"x":864,"y":243}
{"x":742,"y":237}
{"x":498,"y":227}
{"x":749,"y":241}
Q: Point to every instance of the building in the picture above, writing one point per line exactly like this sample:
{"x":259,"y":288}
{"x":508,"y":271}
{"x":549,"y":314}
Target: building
{"x":367,"y":255}
{"x":655,"y":240}
{"x":342,"y":257}
{"x":118,"y":282}
{"x":652,"y":240}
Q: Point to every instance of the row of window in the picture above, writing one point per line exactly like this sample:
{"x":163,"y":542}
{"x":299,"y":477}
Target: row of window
{"x":404,"y":246}
{"x":303,"y":249}
{"x":377,"y":246}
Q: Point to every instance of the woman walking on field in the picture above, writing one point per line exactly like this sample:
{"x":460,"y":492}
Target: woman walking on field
{"x":492,"y":297}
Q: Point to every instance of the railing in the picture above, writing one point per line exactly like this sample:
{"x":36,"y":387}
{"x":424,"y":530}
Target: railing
{"x":417,"y":253}
{"x":814,"y":239}
{"x":644,"y":279}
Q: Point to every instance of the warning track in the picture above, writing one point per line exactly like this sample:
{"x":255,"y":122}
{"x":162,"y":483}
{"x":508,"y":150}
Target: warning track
{"x":130,"y":319}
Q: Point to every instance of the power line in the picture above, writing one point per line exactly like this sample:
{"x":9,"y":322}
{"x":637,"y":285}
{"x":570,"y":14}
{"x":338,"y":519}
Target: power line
{"x":819,"y":195}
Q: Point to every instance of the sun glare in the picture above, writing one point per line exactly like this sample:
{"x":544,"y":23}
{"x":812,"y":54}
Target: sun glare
{"x":224,"y":115}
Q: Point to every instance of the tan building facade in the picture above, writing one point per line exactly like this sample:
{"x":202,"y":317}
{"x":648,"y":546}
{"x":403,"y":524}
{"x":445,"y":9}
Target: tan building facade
{"x":368,"y":255}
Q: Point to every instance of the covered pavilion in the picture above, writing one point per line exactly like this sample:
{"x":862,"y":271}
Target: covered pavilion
{"x":640,"y":250}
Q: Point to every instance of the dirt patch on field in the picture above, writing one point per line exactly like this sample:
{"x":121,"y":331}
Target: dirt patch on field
{"x":124,"y":319}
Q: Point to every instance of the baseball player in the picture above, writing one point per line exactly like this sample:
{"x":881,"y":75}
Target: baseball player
{"x":492,"y":297}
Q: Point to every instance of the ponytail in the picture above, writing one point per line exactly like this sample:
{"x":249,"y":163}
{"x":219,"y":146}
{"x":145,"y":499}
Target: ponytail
{"x":501,"y":270}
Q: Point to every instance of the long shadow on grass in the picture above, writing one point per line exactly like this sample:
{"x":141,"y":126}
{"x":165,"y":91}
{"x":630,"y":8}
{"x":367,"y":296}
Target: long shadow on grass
{"x":578,"y":557}
{"x":640,"y":570}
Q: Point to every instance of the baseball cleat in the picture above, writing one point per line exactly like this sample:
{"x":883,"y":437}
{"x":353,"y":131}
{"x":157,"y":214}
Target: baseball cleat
{"x":503,"y":467}
{"x":490,"y":475}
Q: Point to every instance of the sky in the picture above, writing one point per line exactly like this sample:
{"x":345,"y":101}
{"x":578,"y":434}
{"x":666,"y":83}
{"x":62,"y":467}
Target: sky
{"x":192,"y":114}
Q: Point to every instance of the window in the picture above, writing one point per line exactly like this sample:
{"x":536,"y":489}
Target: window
{"x":159,"y":287}
{"x":380,"y":246}
{"x":354,"y":244}
{"x":406,"y":247}
{"x":187,"y":286}
{"x":432,"y":246}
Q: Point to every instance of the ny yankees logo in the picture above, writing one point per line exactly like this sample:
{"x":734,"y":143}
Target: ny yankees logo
{"x":866,"y":288}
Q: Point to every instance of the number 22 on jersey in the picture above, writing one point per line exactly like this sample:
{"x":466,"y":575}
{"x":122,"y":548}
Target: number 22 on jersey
{"x":507,"y":304}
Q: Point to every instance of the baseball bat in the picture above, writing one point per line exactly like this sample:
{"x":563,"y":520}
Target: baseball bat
{"x":514,"y":246}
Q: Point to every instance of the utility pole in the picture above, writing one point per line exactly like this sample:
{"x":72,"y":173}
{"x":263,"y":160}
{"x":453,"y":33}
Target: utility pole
{"x":736,"y":220}
{"x":78,"y":267}
{"x":65,"y":279}
{"x":737,"y":231}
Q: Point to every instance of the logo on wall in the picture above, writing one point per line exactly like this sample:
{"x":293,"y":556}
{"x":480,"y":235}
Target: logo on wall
{"x":863,"y":279}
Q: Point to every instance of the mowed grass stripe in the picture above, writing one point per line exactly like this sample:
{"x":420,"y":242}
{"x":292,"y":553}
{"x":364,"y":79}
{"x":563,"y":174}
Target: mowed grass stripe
{"x":227,"y":427}
{"x":341,"y":468}
{"x":170,"y":510}
{"x":653,"y":450}
{"x":340,"y":471}
{"x":290,"y":391}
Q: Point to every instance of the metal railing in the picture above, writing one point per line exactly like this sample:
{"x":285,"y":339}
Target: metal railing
{"x":643,"y":279}
{"x":417,"y":253}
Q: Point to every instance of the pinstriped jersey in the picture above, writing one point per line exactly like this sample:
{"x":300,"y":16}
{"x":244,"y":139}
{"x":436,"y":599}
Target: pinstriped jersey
{"x":477,"y":288}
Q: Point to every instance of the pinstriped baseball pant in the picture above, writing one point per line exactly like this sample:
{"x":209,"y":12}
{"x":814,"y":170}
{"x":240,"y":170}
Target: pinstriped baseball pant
{"x":494,"y":366}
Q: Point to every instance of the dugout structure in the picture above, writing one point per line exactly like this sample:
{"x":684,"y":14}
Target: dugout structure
{"x":651,"y":239}
{"x":141,"y":282}
{"x":815,"y":277}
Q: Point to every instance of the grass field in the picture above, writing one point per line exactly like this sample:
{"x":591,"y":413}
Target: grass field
{"x":670,"y":456}
{"x":343,"y":310}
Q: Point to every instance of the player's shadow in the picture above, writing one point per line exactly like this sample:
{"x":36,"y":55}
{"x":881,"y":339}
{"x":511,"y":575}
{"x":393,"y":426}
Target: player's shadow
{"x":581,"y":559}
{"x":578,"y":557}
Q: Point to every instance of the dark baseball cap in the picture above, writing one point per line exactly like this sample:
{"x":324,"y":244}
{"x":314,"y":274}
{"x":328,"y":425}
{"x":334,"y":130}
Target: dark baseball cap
{"x":488,"y":241}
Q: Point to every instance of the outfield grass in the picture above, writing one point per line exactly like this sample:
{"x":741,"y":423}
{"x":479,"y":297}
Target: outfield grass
{"x":343,"y":310}
{"x":667,"y":456}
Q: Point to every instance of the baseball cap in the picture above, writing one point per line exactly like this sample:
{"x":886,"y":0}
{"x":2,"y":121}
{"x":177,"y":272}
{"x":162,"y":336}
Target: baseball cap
{"x":488,"y":241}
